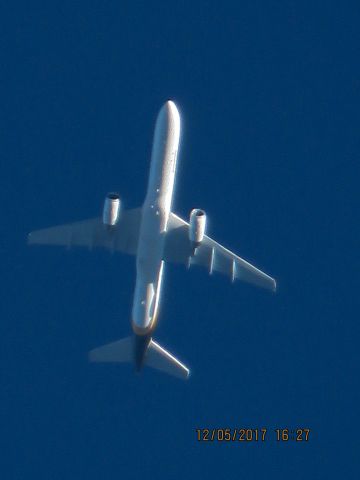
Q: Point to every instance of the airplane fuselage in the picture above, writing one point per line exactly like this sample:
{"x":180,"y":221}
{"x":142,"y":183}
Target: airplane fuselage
{"x":155,"y":214}
{"x":155,"y":234}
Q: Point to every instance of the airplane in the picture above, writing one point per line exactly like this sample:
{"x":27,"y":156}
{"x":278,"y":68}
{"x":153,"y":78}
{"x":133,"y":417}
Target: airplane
{"x":155,"y":235}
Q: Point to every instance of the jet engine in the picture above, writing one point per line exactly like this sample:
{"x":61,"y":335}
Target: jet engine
{"x":111,"y":210}
{"x":197,"y":226}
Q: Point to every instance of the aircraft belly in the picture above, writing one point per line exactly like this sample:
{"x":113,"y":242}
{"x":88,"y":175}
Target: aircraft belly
{"x":155,"y":214}
{"x":148,"y":270}
{"x":146,"y":301}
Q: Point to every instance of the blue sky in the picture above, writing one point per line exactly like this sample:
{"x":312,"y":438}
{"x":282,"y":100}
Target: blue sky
{"x":269,"y":100}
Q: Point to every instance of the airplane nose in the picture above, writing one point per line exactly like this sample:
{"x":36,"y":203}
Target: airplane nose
{"x":170,"y":104}
{"x":170,"y":108}
{"x":170,"y":114}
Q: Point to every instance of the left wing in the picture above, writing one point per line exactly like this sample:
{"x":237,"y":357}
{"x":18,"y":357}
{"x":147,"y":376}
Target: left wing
{"x":90,"y":233}
{"x":211,"y":255}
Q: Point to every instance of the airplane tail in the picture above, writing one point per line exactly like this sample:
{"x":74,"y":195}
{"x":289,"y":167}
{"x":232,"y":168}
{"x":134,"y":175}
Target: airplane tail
{"x":155,"y":356}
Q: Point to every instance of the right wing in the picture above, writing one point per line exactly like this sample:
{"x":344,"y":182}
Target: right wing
{"x":91,"y":233}
{"x":211,"y":255}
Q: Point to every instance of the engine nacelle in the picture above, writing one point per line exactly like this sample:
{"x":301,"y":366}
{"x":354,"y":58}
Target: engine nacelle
{"x":111,"y":210}
{"x":197,"y":226}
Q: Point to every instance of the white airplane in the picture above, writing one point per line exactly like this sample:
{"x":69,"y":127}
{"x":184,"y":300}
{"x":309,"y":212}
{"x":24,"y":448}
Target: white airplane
{"x":155,"y":235}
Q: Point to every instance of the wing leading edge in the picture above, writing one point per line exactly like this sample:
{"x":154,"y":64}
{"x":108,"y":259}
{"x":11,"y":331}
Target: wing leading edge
{"x":91,"y":233}
{"x":210,"y":255}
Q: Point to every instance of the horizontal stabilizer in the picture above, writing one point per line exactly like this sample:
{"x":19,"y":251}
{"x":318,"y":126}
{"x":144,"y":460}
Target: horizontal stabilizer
{"x":119,"y":351}
{"x":155,"y":356}
{"x":159,"y":358}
